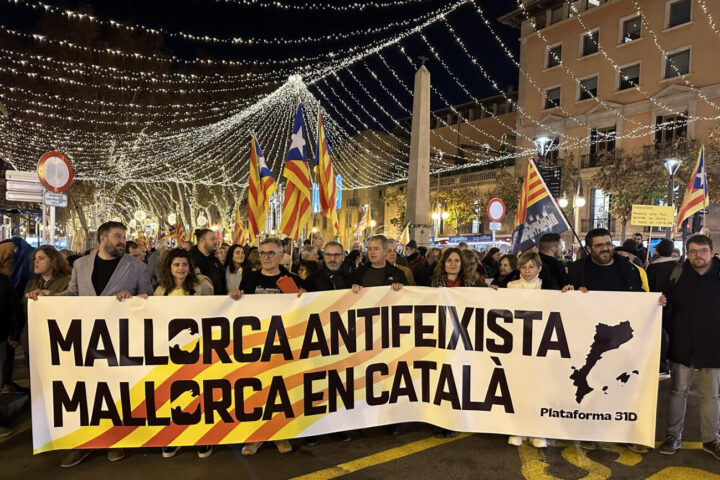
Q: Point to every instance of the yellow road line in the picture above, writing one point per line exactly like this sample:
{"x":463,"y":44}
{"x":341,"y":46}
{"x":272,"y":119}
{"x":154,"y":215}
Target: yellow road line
{"x":378,"y":458}
{"x":18,"y":430}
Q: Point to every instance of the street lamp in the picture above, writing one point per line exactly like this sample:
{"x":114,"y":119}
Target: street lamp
{"x":671,"y":165}
{"x":543,"y":144}
{"x":563,"y":201}
{"x":373,"y":223}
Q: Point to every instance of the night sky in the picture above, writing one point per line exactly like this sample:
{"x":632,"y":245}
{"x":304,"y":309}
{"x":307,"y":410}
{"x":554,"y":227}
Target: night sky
{"x":227,"y":19}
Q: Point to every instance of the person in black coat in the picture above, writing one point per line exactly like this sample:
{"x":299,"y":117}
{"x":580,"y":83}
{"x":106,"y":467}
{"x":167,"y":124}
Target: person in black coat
{"x":378,"y":271}
{"x":659,"y":270}
{"x":203,"y":255}
{"x":552,"y":268}
{"x":331,"y":276}
{"x":693,"y":304}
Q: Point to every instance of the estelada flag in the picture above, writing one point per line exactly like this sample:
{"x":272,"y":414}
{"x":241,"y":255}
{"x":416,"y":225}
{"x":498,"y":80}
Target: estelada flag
{"x":537,"y":212}
{"x":297,"y":202}
{"x":696,"y":195}
{"x":326,"y":177}
{"x":261,"y":186}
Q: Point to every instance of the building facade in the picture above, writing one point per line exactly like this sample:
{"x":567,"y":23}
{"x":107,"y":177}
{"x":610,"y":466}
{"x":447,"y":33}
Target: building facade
{"x":606,"y":76}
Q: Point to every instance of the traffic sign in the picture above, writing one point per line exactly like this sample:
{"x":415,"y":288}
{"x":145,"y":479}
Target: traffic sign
{"x":496,"y":210}
{"x":55,"y":199}
{"x":20,"y":176}
{"x":55,"y":172}
{"x":16,"y":186}
{"x":36,"y":197}
{"x":495,"y":226}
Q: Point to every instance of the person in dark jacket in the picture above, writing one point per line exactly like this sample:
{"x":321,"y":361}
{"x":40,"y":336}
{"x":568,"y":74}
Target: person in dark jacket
{"x":693,"y":302}
{"x":205,"y":260}
{"x":331,"y":276}
{"x":552,"y":267}
{"x":508,"y":271}
{"x":378,"y":271}
{"x":415,"y":258}
{"x":602,"y":269}
{"x":659,"y":270}
{"x":8,"y":305}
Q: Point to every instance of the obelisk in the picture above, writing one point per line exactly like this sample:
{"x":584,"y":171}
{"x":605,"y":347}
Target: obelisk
{"x":418,"y":191}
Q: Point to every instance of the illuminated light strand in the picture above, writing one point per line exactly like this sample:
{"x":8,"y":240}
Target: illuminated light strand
{"x":322,"y":6}
{"x":84,"y":70}
{"x":708,"y":17}
{"x":77,"y":16}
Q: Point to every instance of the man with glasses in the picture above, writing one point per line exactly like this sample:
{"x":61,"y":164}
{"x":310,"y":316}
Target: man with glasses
{"x":330,"y":276}
{"x":265,"y":280}
{"x":693,"y":322}
{"x":603,"y":270}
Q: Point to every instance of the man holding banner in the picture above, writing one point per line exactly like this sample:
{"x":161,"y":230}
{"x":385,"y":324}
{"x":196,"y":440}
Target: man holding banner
{"x":107,"y":273}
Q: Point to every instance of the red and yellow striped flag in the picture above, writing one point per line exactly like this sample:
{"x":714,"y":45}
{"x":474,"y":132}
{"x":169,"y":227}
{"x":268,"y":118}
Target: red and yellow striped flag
{"x":261,"y":186}
{"x":238,"y":230}
{"x":328,"y":185}
{"x":696,"y":195}
{"x":297,"y":202}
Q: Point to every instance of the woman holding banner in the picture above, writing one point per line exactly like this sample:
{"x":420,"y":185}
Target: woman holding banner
{"x":178,"y":278}
{"x":454,"y":270}
{"x":530,"y":266}
{"x":234,"y":267}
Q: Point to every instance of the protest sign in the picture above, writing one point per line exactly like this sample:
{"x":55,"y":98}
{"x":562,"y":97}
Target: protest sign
{"x":210,"y":370}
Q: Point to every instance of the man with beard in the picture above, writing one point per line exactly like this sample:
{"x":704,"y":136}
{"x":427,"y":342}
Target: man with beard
{"x":330,"y":276}
{"x":693,"y":298}
{"x":604,"y":270}
{"x":109,"y":272}
{"x":205,"y":260}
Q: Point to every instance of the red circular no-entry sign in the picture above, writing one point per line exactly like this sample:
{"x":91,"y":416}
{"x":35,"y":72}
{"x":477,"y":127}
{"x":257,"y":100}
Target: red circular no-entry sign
{"x":55,"y":172}
{"x":496,"y":210}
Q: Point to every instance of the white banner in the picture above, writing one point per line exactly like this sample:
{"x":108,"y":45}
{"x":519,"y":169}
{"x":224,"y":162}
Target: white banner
{"x":210,"y":370}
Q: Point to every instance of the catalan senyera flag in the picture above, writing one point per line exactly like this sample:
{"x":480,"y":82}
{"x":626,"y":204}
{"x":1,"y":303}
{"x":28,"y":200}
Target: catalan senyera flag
{"x":363,"y":221}
{"x":537,"y":212}
{"x":297,"y":203}
{"x":238,"y":230}
{"x":696,"y":195}
{"x":261,"y":186}
{"x":326,"y":177}
{"x":404,"y":238}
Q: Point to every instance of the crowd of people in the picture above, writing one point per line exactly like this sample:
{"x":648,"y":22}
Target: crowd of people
{"x":123,"y":269}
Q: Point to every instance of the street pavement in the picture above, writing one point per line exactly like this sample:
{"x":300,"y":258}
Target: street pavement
{"x":375,"y":454}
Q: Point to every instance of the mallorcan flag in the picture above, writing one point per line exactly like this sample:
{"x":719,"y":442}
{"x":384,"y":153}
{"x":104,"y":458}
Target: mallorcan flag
{"x":696,"y":195}
{"x":297,"y":202}
{"x":261,"y":186}
{"x":326,"y":177}
{"x":537,"y":212}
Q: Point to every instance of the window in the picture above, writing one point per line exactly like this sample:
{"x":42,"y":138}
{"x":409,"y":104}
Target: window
{"x":556,"y":15}
{"x":590,"y":43}
{"x":629,"y":77}
{"x":593,"y":3}
{"x":674,"y":127}
{"x":588,"y":88}
{"x":602,"y":140}
{"x":677,"y":64}
{"x":552,"y":98}
{"x":599,"y":208}
{"x":554,"y":56}
{"x":631,"y":29}
{"x":678,"y":13}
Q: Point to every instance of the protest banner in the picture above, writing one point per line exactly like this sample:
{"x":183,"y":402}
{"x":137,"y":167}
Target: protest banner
{"x":210,"y":370}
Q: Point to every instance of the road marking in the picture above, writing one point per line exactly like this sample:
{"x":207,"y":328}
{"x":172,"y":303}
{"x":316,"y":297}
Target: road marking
{"x":378,"y":458}
{"x":683,"y":473}
{"x":18,"y":430}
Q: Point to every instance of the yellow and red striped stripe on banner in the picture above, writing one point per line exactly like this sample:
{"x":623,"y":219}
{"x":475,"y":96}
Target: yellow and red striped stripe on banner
{"x":106,"y":435}
{"x":532,"y":192}
{"x":328,"y":185}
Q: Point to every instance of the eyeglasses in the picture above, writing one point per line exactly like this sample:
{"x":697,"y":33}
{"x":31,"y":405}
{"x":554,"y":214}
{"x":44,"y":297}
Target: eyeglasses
{"x":267,"y":254}
{"x":600,"y":245}
{"x":701,"y":251}
{"x":333,"y":255}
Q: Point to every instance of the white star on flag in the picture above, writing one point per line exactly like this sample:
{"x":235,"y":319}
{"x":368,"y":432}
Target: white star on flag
{"x":297,"y":140}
